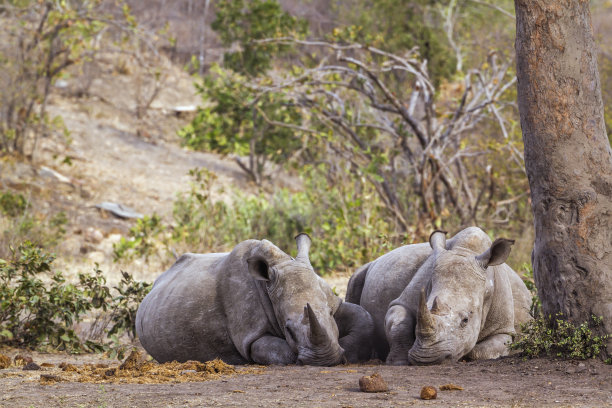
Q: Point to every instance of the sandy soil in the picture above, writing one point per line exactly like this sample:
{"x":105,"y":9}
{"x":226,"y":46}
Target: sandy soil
{"x":506,"y":382}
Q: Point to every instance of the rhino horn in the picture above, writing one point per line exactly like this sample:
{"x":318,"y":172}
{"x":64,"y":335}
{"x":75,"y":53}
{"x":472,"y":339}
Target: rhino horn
{"x":317,"y":334}
{"x":303,"y":246}
{"x":425,"y":321}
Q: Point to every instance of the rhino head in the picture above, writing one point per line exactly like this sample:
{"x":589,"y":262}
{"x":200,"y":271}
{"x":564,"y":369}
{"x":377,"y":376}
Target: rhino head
{"x":450,"y":308}
{"x":301,"y":305}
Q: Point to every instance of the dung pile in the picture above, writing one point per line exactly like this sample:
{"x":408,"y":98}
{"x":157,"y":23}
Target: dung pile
{"x":136,"y":370}
{"x":5,"y":361}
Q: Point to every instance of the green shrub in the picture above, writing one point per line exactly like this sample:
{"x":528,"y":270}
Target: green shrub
{"x":125,"y":304}
{"x":11,"y":204}
{"x":244,"y":22}
{"x":141,"y":242}
{"x":345,"y":220}
{"x":35,"y":313}
{"x":560,"y":338}
{"x":38,"y":307}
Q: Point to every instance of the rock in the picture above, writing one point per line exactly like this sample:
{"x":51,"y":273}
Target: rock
{"x":119,"y":210}
{"x":50,"y":173}
{"x":31,"y":366}
{"x":373,"y":383}
{"x":5,"y":361}
{"x":93,"y":235}
{"x":428,"y":393}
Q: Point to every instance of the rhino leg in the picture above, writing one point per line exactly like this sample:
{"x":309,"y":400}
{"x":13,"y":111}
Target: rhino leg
{"x":492,"y":347}
{"x":356,"y":330}
{"x":399,"y":328}
{"x":270,"y":350}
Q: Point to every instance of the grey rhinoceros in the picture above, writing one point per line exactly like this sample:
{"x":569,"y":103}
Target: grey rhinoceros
{"x":254,"y":304}
{"x":443,"y":300}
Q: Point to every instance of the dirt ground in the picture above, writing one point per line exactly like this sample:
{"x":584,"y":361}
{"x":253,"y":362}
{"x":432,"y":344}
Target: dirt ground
{"x":506,"y":382}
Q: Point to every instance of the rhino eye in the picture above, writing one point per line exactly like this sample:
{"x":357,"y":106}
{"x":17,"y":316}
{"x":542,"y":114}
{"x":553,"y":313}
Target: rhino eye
{"x":464,"y":322}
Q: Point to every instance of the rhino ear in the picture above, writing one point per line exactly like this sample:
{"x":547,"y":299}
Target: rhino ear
{"x":437,"y":239}
{"x":496,"y":254}
{"x":258,"y":268}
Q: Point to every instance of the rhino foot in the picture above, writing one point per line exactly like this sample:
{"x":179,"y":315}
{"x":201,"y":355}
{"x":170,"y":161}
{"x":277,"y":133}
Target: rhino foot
{"x":492,"y":347}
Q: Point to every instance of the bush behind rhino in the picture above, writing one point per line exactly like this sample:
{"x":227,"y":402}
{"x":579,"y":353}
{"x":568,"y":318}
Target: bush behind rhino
{"x":557,"y":337}
{"x":347,"y":218}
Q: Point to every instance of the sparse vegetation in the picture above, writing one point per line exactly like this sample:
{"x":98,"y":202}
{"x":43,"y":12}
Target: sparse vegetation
{"x":39,"y":307}
{"x":18,"y":223}
{"x":345,"y":222}
{"x":558,"y":337}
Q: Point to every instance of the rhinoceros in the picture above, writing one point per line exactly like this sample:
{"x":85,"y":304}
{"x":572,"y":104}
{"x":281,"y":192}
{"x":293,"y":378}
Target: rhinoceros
{"x":254,"y":304}
{"x":443,"y":300}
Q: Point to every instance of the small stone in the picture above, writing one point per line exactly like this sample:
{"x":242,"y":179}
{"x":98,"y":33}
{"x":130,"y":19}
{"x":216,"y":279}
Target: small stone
{"x":5,"y":361}
{"x":31,"y":366}
{"x":373,"y":383}
{"x":93,"y":235}
{"x":428,"y":393}
{"x":188,"y":372}
{"x":110,"y":372}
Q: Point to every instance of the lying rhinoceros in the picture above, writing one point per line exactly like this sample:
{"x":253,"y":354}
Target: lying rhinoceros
{"x":255,"y":304}
{"x":442,"y":300}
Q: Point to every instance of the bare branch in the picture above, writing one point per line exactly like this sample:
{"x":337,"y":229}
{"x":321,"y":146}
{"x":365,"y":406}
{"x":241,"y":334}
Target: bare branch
{"x":493,"y":6}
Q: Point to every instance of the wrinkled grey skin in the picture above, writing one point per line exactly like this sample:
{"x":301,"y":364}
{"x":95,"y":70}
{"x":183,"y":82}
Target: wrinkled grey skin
{"x":443,"y":300}
{"x":255,"y":304}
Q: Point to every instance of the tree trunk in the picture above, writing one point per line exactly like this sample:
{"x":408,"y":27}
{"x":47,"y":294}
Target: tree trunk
{"x":567,"y":157}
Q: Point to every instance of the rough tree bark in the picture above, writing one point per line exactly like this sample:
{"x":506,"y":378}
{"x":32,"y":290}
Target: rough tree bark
{"x":567,"y":157}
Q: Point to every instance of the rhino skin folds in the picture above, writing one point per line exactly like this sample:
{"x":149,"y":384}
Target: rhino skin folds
{"x":255,"y":304}
{"x":440,"y":301}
